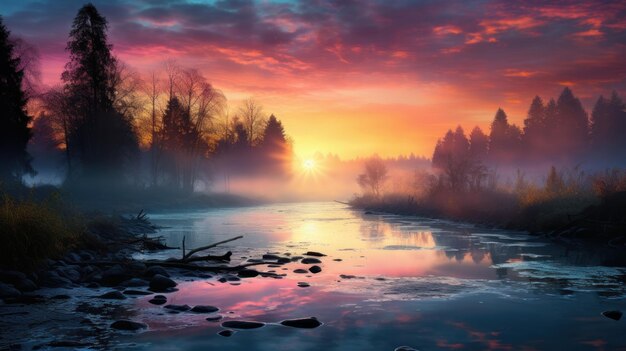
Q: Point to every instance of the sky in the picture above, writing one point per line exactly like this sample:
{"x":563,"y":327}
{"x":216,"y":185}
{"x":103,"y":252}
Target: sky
{"x":355,"y":78}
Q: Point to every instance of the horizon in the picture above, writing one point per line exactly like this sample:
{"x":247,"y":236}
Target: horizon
{"x":333,"y":78}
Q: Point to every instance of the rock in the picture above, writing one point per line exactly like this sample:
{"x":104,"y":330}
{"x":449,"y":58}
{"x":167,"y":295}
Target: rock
{"x":69,"y":272}
{"x":25,"y":285}
{"x":303,"y":285}
{"x":7,"y":290}
{"x":313,"y":253}
{"x":306,"y":323}
{"x":296,"y":258}
{"x":300,"y":271}
{"x":113,"y":295}
{"x":93,"y":285}
{"x":242,"y":324}
{"x":337,"y":260}
{"x":135,"y":283}
{"x":214,"y":318}
{"x":136,"y":292}
{"x":404,"y":348}
{"x":247,"y":273}
{"x":226,"y":333}
{"x":154,"y":270}
{"x":114,"y":276}
{"x":72,"y":257}
{"x":283,"y":260}
{"x":310,"y":260}
{"x":158,"y":300}
{"x":204,"y":309}
{"x":178,"y":308}
{"x":614,"y":315}
{"x":315,"y":269}
{"x":347,"y":276}
{"x":11,"y":276}
{"x":136,"y":266}
{"x":161,"y":283}
{"x":128,"y":325}
{"x":270,"y":257}
{"x":52,"y":279}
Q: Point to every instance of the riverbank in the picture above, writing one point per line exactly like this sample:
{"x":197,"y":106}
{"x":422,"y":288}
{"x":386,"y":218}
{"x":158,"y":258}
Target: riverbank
{"x":571,"y":217}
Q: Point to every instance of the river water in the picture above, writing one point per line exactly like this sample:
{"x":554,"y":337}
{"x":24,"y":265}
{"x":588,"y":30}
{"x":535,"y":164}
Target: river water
{"x":387,"y":281}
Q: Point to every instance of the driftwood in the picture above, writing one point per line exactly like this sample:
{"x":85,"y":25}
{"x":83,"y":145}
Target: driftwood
{"x":187,"y":256}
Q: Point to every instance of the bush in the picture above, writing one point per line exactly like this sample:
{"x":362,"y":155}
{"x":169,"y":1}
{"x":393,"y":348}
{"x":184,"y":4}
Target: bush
{"x":31,"y":231}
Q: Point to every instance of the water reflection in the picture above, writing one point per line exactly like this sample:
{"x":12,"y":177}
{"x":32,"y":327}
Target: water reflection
{"x":390,"y":280}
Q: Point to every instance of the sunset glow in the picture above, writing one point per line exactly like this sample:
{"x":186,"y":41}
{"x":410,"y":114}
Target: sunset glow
{"x":401,"y":69}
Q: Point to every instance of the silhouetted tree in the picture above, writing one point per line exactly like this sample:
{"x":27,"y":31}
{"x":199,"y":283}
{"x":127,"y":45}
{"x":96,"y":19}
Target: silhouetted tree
{"x":274,"y":148}
{"x":14,"y":119}
{"x":504,"y":139}
{"x":100,"y":137}
{"x":572,"y":130}
{"x":452,"y":158}
{"x":608,"y":128}
{"x":253,"y":118}
{"x":478,"y":151}
{"x":534,"y":136}
{"x":374,"y":177}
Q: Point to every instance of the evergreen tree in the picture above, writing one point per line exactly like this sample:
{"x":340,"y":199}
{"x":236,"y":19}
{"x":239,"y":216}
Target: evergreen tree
{"x":535,"y":127}
{"x":608,"y":127}
{"x":275,"y":149}
{"x":101,"y":138}
{"x":14,"y":119}
{"x":572,"y":131}
{"x":479,"y":144}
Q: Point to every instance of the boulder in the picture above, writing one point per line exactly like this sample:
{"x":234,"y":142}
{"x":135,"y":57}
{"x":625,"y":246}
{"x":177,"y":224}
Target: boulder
{"x":226,"y":333}
{"x":247,"y":273}
{"x":313,"y":253}
{"x":300,"y":271}
{"x":154,"y":270}
{"x":52,"y":279}
{"x":114,"y":276}
{"x":178,"y":308}
{"x":614,"y":315}
{"x":158,"y":300}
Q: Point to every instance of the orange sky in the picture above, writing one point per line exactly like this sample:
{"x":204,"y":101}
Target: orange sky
{"x":355,"y":78}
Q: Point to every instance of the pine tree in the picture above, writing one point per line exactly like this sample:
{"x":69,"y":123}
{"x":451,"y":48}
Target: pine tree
{"x":535,"y":127}
{"x":14,"y":119}
{"x":572,"y":131}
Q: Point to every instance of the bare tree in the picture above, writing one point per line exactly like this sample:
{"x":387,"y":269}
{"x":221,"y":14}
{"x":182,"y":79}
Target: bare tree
{"x":374,"y":177}
{"x":253,"y":118}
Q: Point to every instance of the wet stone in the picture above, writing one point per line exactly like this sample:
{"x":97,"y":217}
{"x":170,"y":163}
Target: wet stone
{"x":158,"y":300}
{"x":300,"y":271}
{"x":154,"y":270}
{"x":161,"y":283}
{"x":242,"y":324}
{"x":283,"y":260}
{"x":270,"y":257}
{"x":614,"y":315}
{"x":136,"y":292}
{"x":303,"y":285}
{"x":226,"y":333}
{"x":204,"y":309}
{"x":128,"y":325}
{"x":309,"y":260}
{"x":315,"y":269}
{"x":305,"y":323}
{"x":214,"y":318}
{"x":247,"y":273}
{"x":314,"y":253}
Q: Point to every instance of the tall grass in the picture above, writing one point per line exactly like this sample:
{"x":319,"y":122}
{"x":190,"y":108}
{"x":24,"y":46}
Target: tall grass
{"x":31,"y":231}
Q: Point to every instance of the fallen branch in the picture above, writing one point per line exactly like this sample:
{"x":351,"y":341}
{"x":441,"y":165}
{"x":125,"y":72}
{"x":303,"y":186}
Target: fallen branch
{"x":191,"y":252}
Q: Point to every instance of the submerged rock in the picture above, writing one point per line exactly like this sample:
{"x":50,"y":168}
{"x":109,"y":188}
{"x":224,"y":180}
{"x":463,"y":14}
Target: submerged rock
{"x":309,"y":260}
{"x":214,"y":318}
{"x":128,"y":325}
{"x":300,"y":271}
{"x":154,"y":270}
{"x":614,"y":315}
{"x":305,"y":323}
{"x":161,"y":283}
{"x":303,"y":284}
{"x":404,"y":348}
{"x":204,"y":309}
{"x":113,"y":295}
{"x":242,"y":324}
{"x":313,"y":253}
{"x":315,"y":269}
{"x":283,"y":260}
{"x":270,"y":257}
{"x":226,"y":333}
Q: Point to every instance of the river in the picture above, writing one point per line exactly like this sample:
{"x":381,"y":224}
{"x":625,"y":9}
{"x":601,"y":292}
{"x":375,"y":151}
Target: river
{"x":388,"y":281}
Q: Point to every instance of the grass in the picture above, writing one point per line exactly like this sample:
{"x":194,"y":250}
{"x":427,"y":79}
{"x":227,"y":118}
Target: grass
{"x":31,"y":231}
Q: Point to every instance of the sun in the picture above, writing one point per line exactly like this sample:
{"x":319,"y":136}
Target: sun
{"x":308,"y":165}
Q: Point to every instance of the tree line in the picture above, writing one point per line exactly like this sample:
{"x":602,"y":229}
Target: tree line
{"x":558,"y":132}
{"x":106,"y":120}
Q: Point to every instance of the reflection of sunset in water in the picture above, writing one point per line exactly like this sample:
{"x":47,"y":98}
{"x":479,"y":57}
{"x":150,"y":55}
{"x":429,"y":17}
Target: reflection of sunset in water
{"x":432,"y":284}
